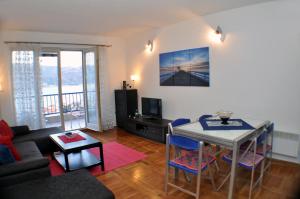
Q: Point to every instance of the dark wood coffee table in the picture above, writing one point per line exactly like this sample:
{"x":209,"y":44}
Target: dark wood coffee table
{"x":75,"y":155}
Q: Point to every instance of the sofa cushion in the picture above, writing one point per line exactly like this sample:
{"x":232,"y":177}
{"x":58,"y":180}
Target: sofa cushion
{"x":28,"y":150}
{"x":6,"y":140}
{"x":74,"y":185}
{"x":31,"y":159}
{"x":17,"y":178}
{"x":5,"y":155}
{"x":5,"y":129}
{"x":36,"y":135}
{"x":41,"y":138}
{"x":20,"y":130}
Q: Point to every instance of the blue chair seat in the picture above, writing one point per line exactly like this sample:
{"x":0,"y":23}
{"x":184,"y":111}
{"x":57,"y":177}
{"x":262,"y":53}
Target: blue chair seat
{"x":259,"y":149}
{"x":247,"y":161}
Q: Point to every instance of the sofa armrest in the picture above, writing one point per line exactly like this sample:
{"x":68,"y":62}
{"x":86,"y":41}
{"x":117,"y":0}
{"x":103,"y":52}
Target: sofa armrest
{"x":20,"y":130}
{"x":23,"y":166}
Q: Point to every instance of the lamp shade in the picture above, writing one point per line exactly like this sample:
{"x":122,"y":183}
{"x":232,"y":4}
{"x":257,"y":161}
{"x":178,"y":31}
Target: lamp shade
{"x":133,"y":77}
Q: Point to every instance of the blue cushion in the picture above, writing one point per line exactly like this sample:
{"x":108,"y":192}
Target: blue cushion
{"x":5,"y":155}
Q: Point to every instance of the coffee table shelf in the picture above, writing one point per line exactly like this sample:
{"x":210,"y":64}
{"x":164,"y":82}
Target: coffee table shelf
{"x":75,"y":155}
{"x":82,"y":159}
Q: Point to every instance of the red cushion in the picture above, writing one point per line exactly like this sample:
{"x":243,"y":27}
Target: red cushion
{"x":5,"y":130}
{"x":6,"y":140}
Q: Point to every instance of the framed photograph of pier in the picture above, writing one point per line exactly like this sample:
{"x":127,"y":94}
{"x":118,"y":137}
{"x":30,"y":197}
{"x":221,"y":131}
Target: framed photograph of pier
{"x":185,"y":67}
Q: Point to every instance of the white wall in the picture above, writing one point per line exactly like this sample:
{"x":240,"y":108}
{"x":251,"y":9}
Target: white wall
{"x":254,"y":73}
{"x":112,"y":72}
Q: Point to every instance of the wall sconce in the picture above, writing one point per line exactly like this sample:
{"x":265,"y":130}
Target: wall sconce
{"x":219,"y":34}
{"x":133,"y":77}
{"x":1,"y":88}
{"x":149,"y":45}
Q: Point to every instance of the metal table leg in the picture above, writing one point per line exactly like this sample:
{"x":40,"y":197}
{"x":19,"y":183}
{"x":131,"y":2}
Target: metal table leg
{"x":235,"y":152}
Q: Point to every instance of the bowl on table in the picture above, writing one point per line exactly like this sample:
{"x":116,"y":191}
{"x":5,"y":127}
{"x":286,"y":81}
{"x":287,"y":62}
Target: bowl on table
{"x":70,"y":134}
{"x":224,"y":116}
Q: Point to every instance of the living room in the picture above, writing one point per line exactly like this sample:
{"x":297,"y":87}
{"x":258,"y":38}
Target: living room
{"x":252,"y":49}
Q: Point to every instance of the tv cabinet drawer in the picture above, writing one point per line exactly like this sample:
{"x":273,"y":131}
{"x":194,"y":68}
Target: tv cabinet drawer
{"x":152,"y":129}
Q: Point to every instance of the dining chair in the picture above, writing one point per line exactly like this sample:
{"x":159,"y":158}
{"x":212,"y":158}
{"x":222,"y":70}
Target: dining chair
{"x":248,"y":159}
{"x":268,"y":150}
{"x":190,"y":156}
{"x":217,"y":149}
{"x":266,"y":136}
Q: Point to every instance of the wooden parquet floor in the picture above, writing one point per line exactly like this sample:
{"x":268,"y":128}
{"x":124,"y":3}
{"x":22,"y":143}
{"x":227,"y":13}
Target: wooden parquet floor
{"x":145,"y":179}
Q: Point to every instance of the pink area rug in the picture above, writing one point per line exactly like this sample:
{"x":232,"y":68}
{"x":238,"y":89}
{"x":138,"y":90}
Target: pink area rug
{"x":115,"y":156}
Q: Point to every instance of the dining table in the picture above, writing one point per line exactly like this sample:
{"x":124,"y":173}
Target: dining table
{"x":230,"y":139}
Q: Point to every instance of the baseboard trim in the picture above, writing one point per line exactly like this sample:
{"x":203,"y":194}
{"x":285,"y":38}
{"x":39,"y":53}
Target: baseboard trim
{"x":285,"y":158}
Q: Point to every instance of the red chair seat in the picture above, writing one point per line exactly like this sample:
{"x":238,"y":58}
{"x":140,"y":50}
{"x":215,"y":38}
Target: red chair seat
{"x":189,"y":159}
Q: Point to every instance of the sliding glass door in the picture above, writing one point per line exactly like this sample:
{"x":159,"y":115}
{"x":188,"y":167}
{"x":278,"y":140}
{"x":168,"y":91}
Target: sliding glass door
{"x":72,"y":87}
{"x":69,"y":89}
{"x":50,"y":88}
{"x":61,"y":77}
{"x":56,"y":88}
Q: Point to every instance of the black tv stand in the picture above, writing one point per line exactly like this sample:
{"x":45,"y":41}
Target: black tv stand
{"x":154,"y":129}
{"x":150,"y":118}
{"x":126,"y":106}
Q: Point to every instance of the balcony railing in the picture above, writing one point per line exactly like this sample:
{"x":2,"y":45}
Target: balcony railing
{"x":72,"y":102}
{"x":73,"y":110}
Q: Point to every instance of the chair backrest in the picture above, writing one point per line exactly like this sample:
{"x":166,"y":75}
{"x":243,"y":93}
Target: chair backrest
{"x":203,"y":117}
{"x":177,"y":122}
{"x":268,"y":130}
{"x":181,"y":141}
{"x":180,"y":121}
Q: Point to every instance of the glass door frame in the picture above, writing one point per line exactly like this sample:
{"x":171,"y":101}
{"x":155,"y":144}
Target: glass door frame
{"x":58,"y":50}
{"x":84,"y":50}
{"x":59,"y":81}
{"x":98,"y":125}
{"x":83,"y":80}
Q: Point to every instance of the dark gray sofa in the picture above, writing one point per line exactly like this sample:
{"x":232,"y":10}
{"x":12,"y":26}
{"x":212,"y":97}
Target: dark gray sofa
{"x":33,"y":165}
{"x":40,"y":137}
{"x":30,"y":177}
{"x":74,"y":185}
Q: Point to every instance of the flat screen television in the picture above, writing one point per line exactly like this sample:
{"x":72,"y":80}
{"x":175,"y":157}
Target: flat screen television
{"x":151,"y":108}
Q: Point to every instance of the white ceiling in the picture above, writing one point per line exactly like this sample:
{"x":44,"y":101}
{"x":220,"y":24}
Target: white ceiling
{"x":105,"y":17}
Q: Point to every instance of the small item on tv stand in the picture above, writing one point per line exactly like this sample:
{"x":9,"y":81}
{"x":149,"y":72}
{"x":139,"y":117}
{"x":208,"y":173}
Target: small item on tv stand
{"x":136,"y":114}
{"x":125,"y":85}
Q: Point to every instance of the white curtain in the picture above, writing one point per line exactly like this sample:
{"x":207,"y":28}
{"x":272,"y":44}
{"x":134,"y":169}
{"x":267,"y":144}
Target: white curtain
{"x":26,"y":89}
